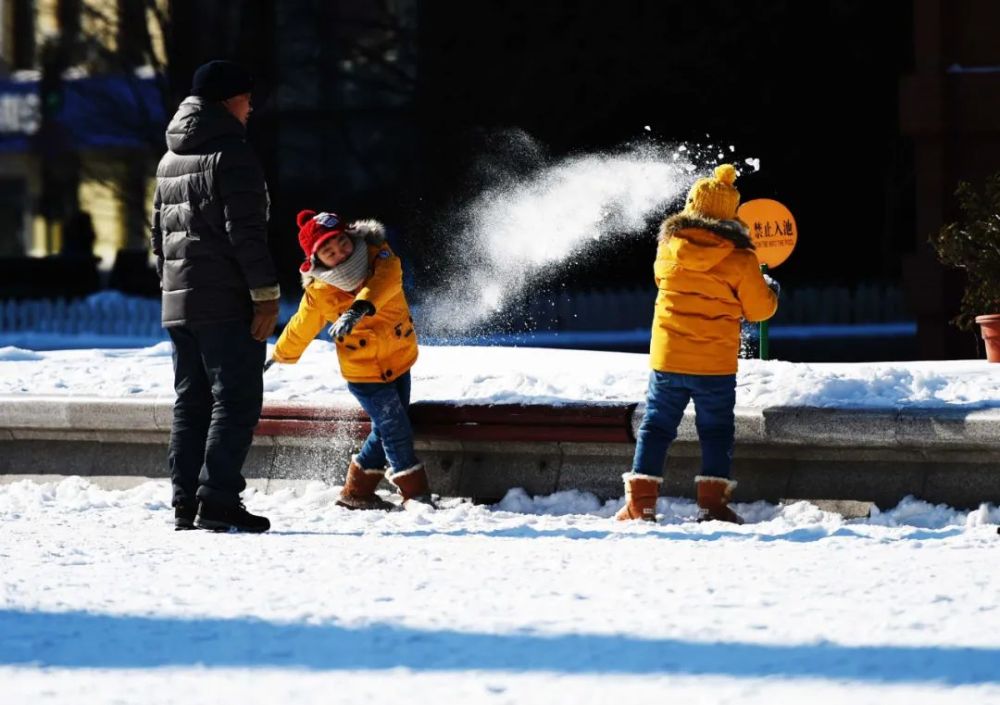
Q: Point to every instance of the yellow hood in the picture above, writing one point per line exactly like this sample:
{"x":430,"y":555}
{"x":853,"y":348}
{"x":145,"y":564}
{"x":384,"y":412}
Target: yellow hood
{"x":697,"y":249}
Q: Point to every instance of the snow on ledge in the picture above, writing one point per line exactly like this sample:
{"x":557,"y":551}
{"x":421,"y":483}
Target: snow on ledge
{"x":512,"y":375}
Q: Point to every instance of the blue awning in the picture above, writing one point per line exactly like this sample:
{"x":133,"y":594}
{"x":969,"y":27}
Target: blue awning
{"x":97,"y":111}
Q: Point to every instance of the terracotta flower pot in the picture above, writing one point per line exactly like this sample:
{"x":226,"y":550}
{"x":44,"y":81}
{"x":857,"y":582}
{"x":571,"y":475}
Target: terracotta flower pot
{"x":989,"y":326}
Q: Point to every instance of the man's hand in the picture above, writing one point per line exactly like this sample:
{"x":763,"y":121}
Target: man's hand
{"x":349,"y":318}
{"x":265,"y":318}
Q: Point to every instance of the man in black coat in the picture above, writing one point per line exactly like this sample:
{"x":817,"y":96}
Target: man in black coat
{"x":220,"y":295}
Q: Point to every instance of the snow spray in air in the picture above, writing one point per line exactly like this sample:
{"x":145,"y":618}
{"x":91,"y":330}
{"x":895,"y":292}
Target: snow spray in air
{"x":522,"y":224}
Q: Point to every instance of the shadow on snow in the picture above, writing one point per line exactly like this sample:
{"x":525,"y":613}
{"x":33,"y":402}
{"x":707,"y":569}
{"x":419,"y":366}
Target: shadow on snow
{"x":799,"y":535}
{"x":84,"y":640}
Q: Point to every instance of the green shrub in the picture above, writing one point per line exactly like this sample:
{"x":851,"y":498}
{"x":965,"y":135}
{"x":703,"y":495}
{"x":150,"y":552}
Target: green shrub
{"x":973,"y":245}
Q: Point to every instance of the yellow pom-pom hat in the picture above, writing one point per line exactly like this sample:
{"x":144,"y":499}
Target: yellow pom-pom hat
{"x":715,"y":197}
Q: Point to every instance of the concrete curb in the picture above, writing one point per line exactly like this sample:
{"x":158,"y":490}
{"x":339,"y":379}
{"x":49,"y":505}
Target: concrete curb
{"x":878,"y":455}
{"x":598,"y":423}
{"x":877,"y":428}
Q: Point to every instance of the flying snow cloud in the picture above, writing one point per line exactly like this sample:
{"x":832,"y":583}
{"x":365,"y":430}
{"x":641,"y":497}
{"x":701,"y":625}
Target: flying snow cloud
{"x":524,"y":223}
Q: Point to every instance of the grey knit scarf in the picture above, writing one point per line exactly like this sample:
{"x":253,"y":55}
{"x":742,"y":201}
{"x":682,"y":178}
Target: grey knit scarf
{"x":349,"y":274}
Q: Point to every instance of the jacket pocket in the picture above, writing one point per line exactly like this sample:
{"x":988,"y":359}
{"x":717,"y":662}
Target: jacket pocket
{"x":399,"y":349}
{"x":358,"y":354}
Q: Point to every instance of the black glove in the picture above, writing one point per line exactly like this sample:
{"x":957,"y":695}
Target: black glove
{"x":772,"y":284}
{"x":349,"y":318}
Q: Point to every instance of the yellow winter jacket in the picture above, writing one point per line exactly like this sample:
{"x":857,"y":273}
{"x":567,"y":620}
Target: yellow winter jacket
{"x":708,"y":279}
{"x":382,"y":346}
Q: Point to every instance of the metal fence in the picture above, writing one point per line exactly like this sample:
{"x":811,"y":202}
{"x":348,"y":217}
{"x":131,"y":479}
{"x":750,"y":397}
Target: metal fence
{"x":627,"y":309}
{"x":110,"y":313}
{"x":106,"y":313}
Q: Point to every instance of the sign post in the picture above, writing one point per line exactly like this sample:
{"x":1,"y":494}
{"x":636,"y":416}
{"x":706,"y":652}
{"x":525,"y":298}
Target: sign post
{"x":774,"y":234}
{"x":764,"y":330}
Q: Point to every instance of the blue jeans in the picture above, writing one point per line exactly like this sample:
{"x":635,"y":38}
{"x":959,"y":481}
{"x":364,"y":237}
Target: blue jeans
{"x":391,"y":439}
{"x":668,"y":394}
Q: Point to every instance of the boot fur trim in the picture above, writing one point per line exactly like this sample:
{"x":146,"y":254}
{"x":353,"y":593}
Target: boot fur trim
{"x":632,"y":475}
{"x":391,"y":476}
{"x":413,"y":487}
{"x":367,"y":471}
{"x":730,"y":484}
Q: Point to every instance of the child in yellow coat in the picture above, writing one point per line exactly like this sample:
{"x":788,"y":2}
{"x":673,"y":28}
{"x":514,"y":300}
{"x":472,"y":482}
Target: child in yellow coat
{"x":352,"y":279}
{"x":708,"y":279}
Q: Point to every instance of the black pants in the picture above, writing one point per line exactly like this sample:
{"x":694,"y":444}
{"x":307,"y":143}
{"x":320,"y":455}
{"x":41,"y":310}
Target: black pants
{"x":219,"y":380}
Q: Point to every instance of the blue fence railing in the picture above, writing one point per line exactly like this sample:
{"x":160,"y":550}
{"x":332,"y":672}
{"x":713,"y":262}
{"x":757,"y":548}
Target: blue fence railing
{"x":628,"y":309}
{"x":560,"y":319}
{"x":105,"y":313}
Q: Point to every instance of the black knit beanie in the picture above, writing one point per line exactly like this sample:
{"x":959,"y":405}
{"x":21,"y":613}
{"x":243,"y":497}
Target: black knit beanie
{"x":219,"y":80}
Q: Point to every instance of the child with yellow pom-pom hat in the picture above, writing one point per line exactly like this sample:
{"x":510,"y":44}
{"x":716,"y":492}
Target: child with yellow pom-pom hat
{"x":708,"y":279}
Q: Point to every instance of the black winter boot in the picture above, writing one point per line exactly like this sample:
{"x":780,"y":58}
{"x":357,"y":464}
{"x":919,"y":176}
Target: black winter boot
{"x":222,"y":517}
{"x":184,"y":516}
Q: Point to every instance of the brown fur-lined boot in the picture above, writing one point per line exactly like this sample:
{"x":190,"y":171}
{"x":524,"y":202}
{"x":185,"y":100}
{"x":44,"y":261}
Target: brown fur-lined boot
{"x":641,"y":492}
{"x":359,"y":489}
{"x":413,"y":487}
{"x":713,"y":499}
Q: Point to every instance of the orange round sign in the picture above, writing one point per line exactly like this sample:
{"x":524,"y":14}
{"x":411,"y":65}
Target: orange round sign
{"x":772,"y":229}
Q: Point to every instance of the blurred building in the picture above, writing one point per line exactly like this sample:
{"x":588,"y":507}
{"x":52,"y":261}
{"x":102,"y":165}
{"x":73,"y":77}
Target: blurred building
{"x":949,"y":108}
{"x":87,"y":86}
{"x":338,"y":114}
{"x":82,"y":110}
{"x":393,"y":109}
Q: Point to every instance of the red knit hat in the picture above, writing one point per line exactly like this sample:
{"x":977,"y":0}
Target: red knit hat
{"x":316,"y":228}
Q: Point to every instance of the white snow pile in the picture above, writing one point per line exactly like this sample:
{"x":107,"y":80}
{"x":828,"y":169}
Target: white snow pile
{"x":534,"y":600}
{"x":314,"y":503}
{"x":521,"y":375}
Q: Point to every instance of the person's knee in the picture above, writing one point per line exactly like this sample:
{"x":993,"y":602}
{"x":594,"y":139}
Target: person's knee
{"x":396,"y":433}
{"x":714,"y":420}
{"x":665,"y":434}
{"x":234,"y":414}
{"x":661,"y":421}
{"x":236,"y":397}
{"x":716,"y":431}
{"x":397,"y":436}
{"x":193,"y":411}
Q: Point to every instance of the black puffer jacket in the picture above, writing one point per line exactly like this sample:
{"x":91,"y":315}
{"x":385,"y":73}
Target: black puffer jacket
{"x":210,"y":219}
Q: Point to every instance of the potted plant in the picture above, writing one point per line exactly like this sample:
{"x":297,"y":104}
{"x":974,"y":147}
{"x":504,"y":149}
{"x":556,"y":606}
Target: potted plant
{"x":973,"y":245}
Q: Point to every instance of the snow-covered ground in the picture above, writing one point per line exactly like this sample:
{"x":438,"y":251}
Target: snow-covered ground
{"x":527,"y":375}
{"x":535,"y":600}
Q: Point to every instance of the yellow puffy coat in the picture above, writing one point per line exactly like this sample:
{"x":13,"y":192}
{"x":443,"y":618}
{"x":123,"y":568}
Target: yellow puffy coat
{"x":382,"y":346}
{"x":708,"y":279}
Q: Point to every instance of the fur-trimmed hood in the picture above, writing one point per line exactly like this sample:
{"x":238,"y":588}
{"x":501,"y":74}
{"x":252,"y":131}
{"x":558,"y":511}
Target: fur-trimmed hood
{"x":371,"y":230}
{"x":363,"y":232}
{"x":735,"y":231}
{"x":698,"y":243}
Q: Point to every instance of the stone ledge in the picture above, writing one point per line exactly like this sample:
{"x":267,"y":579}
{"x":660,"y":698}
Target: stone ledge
{"x":598,"y":423}
{"x":880,"y":456}
{"x":857,"y":428}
